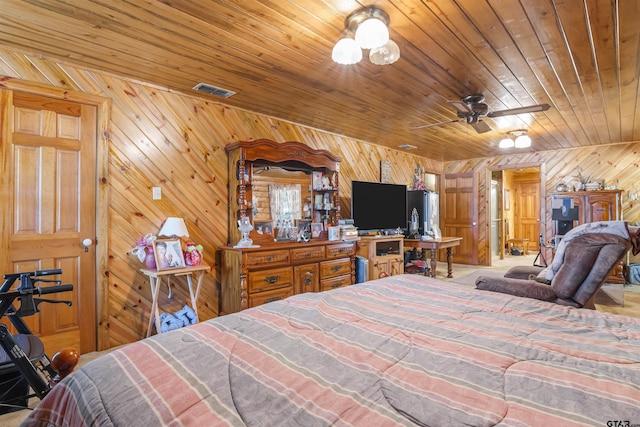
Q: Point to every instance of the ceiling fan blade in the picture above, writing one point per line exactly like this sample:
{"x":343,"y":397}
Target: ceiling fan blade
{"x":520,"y":110}
{"x":461,"y":107}
{"x":435,"y":124}
{"x":481,"y":127}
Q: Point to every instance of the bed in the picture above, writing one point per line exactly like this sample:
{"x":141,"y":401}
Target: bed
{"x":403,"y":350}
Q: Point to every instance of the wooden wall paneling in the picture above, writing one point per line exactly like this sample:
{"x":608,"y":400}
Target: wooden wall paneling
{"x":161,"y":138}
{"x":157,"y":137}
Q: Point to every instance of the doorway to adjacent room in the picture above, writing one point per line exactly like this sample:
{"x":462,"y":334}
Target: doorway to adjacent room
{"x":515,"y":201}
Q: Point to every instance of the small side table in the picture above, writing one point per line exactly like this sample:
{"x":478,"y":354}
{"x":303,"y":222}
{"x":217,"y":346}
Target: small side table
{"x":518,"y":241}
{"x":155,"y":278}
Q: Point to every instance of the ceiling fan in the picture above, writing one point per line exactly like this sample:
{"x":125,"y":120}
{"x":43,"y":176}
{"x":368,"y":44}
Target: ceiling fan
{"x":470,"y":108}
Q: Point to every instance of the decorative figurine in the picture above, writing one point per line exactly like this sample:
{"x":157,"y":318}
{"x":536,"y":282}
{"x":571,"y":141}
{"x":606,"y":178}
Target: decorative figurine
{"x":245,"y":226}
{"x":192,"y":254}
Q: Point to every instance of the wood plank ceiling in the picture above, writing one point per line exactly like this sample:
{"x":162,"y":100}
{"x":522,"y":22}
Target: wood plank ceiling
{"x":579,"y":56}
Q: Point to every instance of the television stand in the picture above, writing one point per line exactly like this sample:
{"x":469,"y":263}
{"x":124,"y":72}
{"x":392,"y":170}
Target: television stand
{"x":385,"y":255}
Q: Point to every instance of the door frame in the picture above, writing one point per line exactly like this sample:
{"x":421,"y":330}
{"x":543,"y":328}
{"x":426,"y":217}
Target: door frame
{"x":543,"y":194}
{"x":103,"y":117}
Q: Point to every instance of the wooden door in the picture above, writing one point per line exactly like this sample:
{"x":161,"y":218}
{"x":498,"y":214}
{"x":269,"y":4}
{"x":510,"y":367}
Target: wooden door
{"x":460,"y":215}
{"x":527,"y":212}
{"x":49,"y":176}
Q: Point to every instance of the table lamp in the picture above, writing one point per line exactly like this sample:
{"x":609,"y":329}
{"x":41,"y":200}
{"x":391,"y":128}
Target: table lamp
{"x":174,"y":227}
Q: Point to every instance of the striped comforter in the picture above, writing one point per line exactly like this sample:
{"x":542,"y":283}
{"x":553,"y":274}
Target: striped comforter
{"x":404,"y":350}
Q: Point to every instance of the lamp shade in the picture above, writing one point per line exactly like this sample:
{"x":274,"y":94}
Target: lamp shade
{"x":506,"y":143}
{"x":386,"y":54}
{"x":372,"y":33}
{"x":346,"y":52}
{"x":523,"y":141}
{"x":174,"y":227}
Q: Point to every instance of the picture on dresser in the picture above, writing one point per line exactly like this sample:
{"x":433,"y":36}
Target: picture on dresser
{"x":168,"y":253}
{"x":303,"y":225}
{"x":316,"y":229}
{"x":263,"y":227}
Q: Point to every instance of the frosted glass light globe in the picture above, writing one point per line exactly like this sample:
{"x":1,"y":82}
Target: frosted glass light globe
{"x":372,"y":33}
{"x":386,"y":54}
{"x":346,"y":52}
{"x":506,"y":143}
{"x":523,"y":141}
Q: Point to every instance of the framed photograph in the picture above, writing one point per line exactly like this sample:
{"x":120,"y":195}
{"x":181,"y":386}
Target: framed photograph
{"x":316,"y":229}
{"x":303,"y":225}
{"x":334,"y":233}
{"x":263,"y":227}
{"x":316,"y":179}
{"x":168,"y":253}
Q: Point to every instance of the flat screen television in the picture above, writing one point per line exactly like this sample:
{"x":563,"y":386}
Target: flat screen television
{"x":377,"y":206}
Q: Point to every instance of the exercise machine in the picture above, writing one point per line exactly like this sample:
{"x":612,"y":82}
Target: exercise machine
{"x":25,"y":369}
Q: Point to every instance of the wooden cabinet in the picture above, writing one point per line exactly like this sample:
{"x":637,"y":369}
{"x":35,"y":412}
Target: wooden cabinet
{"x":593,"y":206}
{"x":385,"y":255}
{"x":605,"y":205}
{"x":307,"y":278}
{"x":255,"y":276}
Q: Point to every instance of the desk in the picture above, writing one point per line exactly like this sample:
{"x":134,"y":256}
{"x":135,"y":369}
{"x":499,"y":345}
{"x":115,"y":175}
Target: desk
{"x":433,"y":245}
{"x":155,"y":278}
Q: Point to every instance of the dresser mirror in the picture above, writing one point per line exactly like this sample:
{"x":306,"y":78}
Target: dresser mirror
{"x":280,"y":195}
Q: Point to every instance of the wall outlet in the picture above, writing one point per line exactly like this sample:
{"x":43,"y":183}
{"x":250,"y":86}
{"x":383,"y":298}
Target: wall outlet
{"x":157,"y":193}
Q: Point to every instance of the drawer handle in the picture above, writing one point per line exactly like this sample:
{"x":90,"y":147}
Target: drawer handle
{"x":336,"y":285}
{"x":336,"y":268}
{"x":272,"y":299}
{"x":272,"y":279}
{"x":269,"y":258}
{"x":307,"y":280}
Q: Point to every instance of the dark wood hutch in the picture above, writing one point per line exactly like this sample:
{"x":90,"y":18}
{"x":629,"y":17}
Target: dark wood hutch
{"x":594,"y":206}
{"x":277,"y":269}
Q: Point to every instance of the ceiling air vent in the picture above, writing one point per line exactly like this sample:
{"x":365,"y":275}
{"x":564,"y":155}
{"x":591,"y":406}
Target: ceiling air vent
{"x":213,"y":90}
{"x":407,"y":147}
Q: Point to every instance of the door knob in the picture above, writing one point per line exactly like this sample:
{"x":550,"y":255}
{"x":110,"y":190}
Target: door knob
{"x":86,"y":243}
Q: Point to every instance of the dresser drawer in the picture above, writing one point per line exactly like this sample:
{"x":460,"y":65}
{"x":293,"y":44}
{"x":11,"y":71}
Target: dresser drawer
{"x":340,"y":250}
{"x":267,"y":258}
{"x":260,"y":298}
{"x":313,"y":253}
{"x":270,"y":279}
{"x":336,"y":267}
{"x":335,"y":282}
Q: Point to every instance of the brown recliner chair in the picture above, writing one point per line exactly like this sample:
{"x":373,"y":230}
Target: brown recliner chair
{"x":588,"y":260}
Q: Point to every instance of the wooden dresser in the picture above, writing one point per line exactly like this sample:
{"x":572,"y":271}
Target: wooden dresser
{"x":281,"y":267}
{"x":255,"y":276}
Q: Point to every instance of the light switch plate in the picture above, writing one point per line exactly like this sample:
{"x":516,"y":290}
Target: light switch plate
{"x":157,"y":193}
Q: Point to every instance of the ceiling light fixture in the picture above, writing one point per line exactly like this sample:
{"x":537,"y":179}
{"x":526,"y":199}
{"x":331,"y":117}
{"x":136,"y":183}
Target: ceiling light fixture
{"x":370,"y":26}
{"x":522,"y":140}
